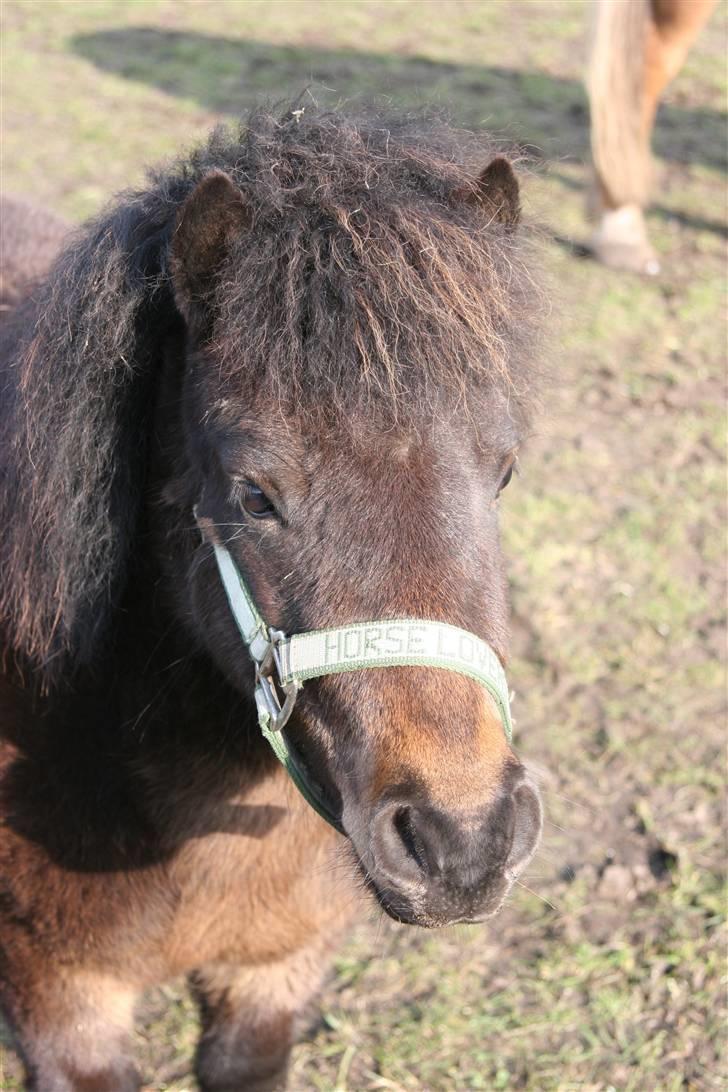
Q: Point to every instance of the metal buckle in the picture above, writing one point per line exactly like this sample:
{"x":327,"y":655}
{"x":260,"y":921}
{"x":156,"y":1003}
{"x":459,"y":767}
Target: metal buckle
{"x":269,"y":686}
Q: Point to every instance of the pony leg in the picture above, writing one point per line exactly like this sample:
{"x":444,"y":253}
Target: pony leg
{"x":638,"y":47}
{"x":75,"y":1035}
{"x":250,"y":1018}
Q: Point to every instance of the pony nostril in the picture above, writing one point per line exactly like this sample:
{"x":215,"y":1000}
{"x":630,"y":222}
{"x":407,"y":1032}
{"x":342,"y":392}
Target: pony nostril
{"x":527,"y":826}
{"x":404,"y":825}
{"x":399,"y":849}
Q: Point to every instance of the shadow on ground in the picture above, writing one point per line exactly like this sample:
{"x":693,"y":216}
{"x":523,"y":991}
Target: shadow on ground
{"x":546,"y":113}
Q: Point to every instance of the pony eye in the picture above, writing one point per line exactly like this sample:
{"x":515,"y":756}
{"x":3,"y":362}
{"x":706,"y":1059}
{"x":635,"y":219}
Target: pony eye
{"x":507,"y":477}
{"x":256,"y":503}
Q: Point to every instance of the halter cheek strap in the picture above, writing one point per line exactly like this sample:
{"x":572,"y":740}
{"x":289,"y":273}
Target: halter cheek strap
{"x":283,"y":664}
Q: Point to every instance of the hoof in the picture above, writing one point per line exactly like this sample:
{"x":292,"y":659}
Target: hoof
{"x":620,"y":242}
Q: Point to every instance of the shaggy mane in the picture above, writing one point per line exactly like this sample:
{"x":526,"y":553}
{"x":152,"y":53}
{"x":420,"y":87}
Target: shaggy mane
{"x":364,"y":269}
{"x":365,"y":278}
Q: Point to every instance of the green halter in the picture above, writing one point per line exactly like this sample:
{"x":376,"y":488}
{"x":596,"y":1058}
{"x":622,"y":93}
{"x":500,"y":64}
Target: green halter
{"x":283,"y":664}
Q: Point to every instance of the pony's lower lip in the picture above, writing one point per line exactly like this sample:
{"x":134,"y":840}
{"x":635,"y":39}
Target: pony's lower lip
{"x":410,"y":915}
{"x":402,"y":916}
{"x":424,"y":921}
{"x":405,"y":915}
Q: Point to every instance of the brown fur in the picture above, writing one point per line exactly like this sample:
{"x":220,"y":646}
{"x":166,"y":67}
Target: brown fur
{"x":337,"y":312}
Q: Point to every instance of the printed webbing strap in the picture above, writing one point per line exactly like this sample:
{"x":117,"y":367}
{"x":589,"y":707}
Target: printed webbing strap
{"x":252,"y":628}
{"x":409,"y":642}
{"x":406,"y":642}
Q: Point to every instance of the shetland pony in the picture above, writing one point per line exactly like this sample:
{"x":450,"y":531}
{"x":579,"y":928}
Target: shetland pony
{"x":313,"y":336}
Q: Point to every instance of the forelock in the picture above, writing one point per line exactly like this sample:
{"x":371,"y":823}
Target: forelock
{"x":364,"y":278}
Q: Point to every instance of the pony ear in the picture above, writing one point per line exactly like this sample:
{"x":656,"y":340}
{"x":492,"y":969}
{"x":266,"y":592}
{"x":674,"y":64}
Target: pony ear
{"x":496,"y":191}
{"x":213,"y":214}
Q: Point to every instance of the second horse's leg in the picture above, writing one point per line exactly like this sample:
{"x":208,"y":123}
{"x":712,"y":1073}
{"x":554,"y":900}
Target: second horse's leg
{"x":638,"y":47}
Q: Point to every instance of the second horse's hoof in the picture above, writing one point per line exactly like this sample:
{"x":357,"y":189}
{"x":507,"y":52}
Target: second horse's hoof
{"x":620,"y":242}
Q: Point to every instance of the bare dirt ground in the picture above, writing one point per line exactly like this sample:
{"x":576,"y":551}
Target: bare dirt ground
{"x":603,"y":972}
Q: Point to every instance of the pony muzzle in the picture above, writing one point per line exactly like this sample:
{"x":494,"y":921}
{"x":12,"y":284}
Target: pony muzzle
{"x":431,"y":866}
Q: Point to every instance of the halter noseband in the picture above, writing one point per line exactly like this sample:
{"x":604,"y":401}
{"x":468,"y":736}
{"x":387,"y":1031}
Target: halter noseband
{"x":283,"y":664}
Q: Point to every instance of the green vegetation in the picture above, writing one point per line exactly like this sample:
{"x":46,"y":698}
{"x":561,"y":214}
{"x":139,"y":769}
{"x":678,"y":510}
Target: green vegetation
{"x":608,"y":977}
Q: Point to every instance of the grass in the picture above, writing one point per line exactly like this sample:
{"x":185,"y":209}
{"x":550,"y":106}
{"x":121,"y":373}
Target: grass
{"x":614,"y":533}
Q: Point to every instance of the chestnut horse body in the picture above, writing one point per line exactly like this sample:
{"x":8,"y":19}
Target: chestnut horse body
{"x":315,"y":335}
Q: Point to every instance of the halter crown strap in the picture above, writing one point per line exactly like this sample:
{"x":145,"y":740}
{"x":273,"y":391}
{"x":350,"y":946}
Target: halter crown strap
{"x":283,"y":664}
